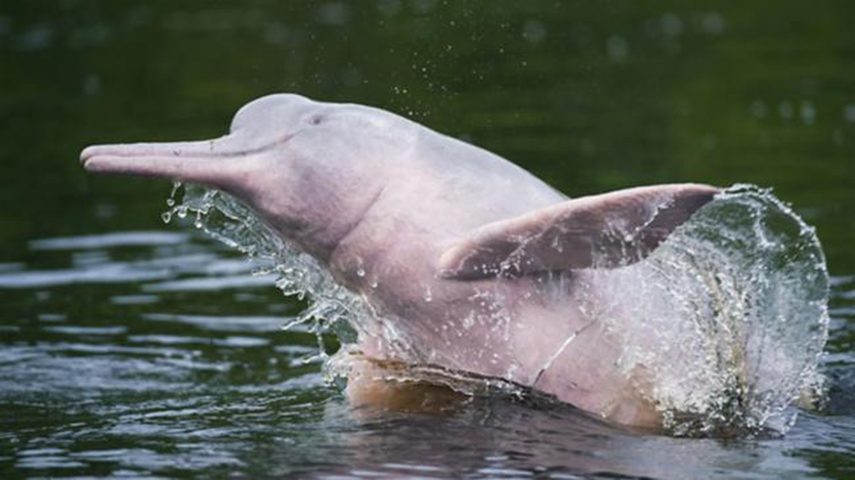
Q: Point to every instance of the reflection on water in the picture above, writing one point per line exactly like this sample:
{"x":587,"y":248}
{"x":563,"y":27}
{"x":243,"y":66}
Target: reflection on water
{"x":135,"y":380}
{"x":115,"y":385}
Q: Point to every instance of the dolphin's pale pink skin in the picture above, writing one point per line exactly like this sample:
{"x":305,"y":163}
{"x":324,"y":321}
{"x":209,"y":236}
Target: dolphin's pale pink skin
{"x":474,"y":258}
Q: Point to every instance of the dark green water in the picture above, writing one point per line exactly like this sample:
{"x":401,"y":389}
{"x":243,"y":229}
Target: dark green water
{"x":130,"y":348}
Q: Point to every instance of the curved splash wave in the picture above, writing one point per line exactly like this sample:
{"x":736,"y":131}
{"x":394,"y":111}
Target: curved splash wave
{"x":332,"y":308}
{"x":729,"y":314}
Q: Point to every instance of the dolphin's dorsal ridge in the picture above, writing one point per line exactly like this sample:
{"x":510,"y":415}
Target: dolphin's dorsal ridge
{"x":599,"y":231}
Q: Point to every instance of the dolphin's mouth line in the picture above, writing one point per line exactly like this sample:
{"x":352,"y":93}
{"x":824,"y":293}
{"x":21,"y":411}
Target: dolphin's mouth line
{"x":201,"y":149}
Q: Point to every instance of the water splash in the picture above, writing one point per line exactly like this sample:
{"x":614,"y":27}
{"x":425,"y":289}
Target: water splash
{"x":729,"y":314}
{"x":728,"y":318}
{"x":332,"y":309}
{"x":227,"y":220}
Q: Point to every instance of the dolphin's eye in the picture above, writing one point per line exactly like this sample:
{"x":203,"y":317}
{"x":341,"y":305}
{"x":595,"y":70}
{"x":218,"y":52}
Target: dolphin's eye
{"x":316,"y":119}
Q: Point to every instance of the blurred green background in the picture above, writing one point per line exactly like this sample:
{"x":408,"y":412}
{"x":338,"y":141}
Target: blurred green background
{"x":590,"y":96}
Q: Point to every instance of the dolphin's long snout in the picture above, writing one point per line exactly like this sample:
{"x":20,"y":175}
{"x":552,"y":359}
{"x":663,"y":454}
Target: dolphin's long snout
{"x":156,"y":159}
{"x":213,"y":162}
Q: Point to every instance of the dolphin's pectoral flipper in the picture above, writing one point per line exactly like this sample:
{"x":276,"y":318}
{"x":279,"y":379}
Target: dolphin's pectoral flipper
{"x":599,"y":231}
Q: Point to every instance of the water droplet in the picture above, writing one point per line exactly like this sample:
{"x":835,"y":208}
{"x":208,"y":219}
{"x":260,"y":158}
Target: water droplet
{"x":360,"y":272}
{"x":428,"y":296}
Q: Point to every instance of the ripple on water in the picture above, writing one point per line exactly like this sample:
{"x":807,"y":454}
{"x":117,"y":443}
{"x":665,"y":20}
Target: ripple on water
{"x":110,"y":240}
{"x":86,"y":331}
{"x":211,"y":283}
{"x":134,"y":299}
{"x":171,"y":264}
{"x":222,"y":323}
{"x":109,"y":273}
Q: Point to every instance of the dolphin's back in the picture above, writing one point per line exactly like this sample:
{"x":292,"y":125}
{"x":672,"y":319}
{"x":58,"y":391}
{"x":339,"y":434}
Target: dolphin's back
{"x":458,"y":187}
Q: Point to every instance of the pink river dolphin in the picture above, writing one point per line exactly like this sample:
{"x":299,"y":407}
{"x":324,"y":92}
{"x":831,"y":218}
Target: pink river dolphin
{"x":472,"y":258}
